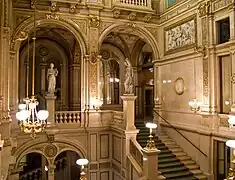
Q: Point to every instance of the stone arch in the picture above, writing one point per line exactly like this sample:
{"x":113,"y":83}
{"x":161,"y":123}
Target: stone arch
{"x":20,"y":34}
{"x":69,"y":25}
{"x":141,"y":30}
{"x":63,"y":70}
{"x":38,"y":146}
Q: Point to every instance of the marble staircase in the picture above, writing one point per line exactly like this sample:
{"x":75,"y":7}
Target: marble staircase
{"x":173,"y":162}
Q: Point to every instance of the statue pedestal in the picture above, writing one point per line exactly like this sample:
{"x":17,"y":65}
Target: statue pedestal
{"x":50,"y":101}
{"x":129,"y":111}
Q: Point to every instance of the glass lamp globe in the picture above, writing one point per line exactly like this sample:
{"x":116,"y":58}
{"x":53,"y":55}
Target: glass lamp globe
{"x":82,"y":162}
{"x":22,"y":115}
{"x":151,"y":125}
{"x":231,"y":120}
{"x":32,"y":105}
{"x":43,"y":115}
{"x":230,"y":143}
{"x":22,"y":106}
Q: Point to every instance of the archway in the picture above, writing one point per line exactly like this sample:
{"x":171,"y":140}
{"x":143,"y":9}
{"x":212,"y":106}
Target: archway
{"x":78,"y":55}
{"x":66,"y":167}
{"x":137,"y":45}
{"x":34,"y":166}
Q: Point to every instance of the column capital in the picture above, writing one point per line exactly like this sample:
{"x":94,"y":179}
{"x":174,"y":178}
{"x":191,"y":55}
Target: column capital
{"x":128,"y":97}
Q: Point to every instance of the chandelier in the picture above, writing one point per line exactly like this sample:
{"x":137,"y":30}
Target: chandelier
{"x":31,"y":121}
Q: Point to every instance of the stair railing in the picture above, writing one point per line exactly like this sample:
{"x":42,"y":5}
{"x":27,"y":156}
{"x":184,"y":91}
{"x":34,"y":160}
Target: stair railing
{"x":135,"y":151}
{"x":173,"y":127}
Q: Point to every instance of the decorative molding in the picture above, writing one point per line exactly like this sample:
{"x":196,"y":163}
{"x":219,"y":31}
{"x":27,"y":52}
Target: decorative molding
{"x":204,"y":9}
{"x":147,"y":17}
{"x":233,"y":78}
{"x":94,"y":21}
{"x":220,"y":4}
{"x":132,"y":16}
{"x":50,"y":151}
{"x":53,"y":6}
{"x":116,"y":13}
{"x":179,"y":86}
{"x":205,"y":80}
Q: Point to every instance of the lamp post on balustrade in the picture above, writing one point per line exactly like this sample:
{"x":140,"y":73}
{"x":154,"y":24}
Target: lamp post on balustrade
{"x":150,"y":155}
{"x":231,"y":144}
{"x":82,"y":163}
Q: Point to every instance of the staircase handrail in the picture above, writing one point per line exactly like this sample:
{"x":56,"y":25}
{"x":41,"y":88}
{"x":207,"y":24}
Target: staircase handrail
{"x":136,"y":151}
{"x":180,"y":133}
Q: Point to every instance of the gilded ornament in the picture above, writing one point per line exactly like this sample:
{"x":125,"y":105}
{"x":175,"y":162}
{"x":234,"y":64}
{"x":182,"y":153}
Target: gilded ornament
{"x":94,"y":21}
{"x":93,"y":57}
{"x":233,"y":78}
{"x":204,"y":9}
{"x":53,"y":6}
{"x":116,"y":13}
{"x":132,"y":16}
{"x":50,"y":151}
{"x":52,"y":16}
{"x":147,"y":17}
{"x":72,"y":8}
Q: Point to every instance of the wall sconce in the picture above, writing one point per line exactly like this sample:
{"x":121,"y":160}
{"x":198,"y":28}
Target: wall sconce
{"x":194,"y":105}
{"x":150,"y":142}
{"x":1,"y":144}
{"x":82,"y":163}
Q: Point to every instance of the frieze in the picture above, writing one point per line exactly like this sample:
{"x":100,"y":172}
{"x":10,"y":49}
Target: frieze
{"x":221,"y":4}
{"x":181,"y":35}
{"x":179,"y":10}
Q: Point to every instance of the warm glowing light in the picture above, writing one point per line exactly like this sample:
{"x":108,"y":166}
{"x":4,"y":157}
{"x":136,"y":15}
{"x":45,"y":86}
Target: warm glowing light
{"x":231,"y":120}
{"x":230,"y":143}
{"x":82,"y":162}
{"x":151,"y":125}
{"x":195,"y":105}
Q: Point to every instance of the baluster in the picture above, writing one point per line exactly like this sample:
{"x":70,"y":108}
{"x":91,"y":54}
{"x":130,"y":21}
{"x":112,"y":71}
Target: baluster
{"x":56,"y":118}
{"x":74,"y":118}
{"x":70,"y":118}
{"x":142,"y":2}
{"x":65,"y":118}
{"x":145,"y":3}
{"x":61,"y":118}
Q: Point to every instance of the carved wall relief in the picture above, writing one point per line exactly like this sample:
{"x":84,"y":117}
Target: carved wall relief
{"x":182,"y":35}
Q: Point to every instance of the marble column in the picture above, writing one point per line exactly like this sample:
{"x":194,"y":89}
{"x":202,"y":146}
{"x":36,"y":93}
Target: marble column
{"x":129,"y":111}
{"x":232,"y":22}
{"x":75,"y":91}
{"x":51,"y":172}
{"x":43,"y":77}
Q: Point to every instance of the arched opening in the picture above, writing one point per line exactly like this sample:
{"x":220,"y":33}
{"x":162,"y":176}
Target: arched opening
{"x":58,"y":46}
{"x":124,"y":43}
{"x":66,"y":167}
{"x":34,"y":166}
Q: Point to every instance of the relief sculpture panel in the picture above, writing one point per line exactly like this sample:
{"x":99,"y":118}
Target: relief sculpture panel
{"x":180,"y":36}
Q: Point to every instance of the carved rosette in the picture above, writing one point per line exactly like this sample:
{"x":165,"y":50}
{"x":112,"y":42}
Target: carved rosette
{"x":50,"y":151}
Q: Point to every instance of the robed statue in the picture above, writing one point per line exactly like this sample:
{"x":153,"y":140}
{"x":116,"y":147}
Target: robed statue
{"x":128,"y":84}
{"x":51,"y":77}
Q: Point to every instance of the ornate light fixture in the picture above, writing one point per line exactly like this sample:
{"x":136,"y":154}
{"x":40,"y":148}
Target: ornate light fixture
{"x":231,"y":144}
{"x":150,"y":142}
{"x":82,"y":163}
{"x":31,"y":121}
{"x":194,"y":105}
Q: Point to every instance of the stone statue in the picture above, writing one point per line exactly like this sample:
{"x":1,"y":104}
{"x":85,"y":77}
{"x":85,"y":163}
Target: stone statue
{"x":128,"y":84}
{"x":51,"y":77}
